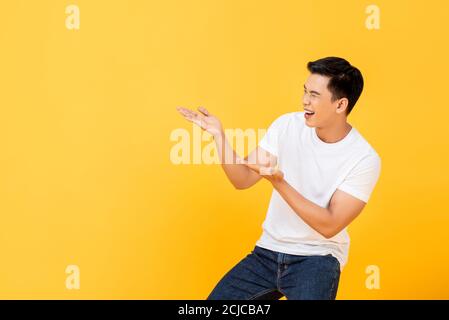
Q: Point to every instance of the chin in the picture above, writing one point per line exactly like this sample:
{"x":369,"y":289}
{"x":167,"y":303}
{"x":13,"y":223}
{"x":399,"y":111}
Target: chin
{"x":310,"y":123}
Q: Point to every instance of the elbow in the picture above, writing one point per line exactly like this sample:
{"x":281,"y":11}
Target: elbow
{"x":236,"y":185}
{"x":240,"y":187}
{"x":329,"y":233}
{"x":242,"y":184}
{"x":330,"y":228}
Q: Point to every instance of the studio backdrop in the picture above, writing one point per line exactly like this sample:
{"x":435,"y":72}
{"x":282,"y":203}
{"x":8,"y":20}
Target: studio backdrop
{"x":106,"y":192}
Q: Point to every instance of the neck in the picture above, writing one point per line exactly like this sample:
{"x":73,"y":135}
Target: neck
{"x":335,"y":132}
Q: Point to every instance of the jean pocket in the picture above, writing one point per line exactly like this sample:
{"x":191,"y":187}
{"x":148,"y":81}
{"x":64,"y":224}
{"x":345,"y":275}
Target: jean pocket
{"x":265,"y":253}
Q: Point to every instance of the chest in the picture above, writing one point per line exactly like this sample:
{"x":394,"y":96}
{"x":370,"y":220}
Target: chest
{"x":313,"y":172}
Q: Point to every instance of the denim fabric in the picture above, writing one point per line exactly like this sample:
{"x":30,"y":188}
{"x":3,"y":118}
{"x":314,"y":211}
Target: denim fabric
{"x":269,"y":275}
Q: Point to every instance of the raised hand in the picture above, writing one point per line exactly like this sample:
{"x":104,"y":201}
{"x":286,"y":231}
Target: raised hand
{"x":204,"y":119}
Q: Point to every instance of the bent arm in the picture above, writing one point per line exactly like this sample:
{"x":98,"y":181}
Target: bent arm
{"x":343,"y":209}
{"x":239,"y":174}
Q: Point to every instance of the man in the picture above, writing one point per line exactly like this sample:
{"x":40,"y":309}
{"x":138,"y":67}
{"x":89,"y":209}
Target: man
{"x":325,"y":174}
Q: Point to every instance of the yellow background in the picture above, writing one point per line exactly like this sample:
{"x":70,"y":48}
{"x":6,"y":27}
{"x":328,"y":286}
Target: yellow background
{"x":85,"y":173}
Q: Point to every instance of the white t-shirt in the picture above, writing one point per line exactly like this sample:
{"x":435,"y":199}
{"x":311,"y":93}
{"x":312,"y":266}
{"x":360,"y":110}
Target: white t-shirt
{"x":315,"y":169}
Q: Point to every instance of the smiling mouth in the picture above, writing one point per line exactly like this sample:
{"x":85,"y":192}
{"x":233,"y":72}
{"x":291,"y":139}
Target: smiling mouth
{"x":309,"y":112}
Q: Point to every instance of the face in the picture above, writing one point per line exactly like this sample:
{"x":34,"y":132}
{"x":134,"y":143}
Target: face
{"x":318,"y":98}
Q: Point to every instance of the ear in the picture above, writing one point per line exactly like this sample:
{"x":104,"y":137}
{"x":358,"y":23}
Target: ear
{"x":342,"y":104}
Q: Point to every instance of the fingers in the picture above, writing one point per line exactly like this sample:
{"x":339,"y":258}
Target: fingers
{"x":204,"y":111}
{"x":182,"y":111}
{"x":262,"y":170}
{"x":185,"y":112}
{"x":266,"y":171}
{"x":278,"y":175}
{"x":194,"y":117}
{"x":189,"y":114}
{"x":271,"y":173}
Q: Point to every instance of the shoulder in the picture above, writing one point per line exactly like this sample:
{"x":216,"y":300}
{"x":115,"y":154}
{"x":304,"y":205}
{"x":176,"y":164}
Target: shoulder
{"x":370,"y":157}
{"x":284,"y":119}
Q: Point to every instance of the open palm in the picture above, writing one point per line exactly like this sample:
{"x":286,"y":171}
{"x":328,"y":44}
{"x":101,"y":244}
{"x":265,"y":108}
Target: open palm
{"x":204,"y":119}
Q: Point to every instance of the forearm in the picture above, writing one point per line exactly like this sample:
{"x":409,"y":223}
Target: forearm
{"x":317,"y":217}
{"x":236,"y":173}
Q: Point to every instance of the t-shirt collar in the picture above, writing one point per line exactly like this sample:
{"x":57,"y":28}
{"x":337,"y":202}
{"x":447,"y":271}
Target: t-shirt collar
{"x":347,"y":139}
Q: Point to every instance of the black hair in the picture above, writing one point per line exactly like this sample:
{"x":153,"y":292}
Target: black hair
{"x":346,"y":81}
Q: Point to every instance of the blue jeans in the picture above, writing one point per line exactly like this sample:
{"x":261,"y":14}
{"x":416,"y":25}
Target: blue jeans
{"x":269,"y":275}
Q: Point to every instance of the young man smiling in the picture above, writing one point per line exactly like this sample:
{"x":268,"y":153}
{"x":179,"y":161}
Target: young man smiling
{"x":325,"y":173}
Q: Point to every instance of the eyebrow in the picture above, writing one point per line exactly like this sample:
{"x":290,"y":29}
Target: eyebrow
{"x":315,"y":92}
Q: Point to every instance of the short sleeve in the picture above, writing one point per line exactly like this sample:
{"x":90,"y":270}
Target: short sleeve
{"x":270,"y":141}
{"x":362,"y":179}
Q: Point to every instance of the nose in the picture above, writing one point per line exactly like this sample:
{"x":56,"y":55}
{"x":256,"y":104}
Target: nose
{"x":305,"y":99}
